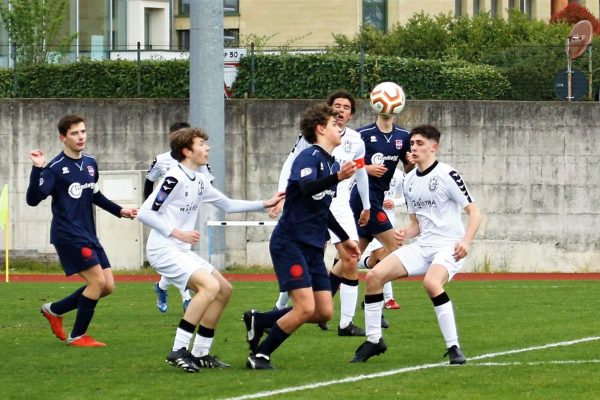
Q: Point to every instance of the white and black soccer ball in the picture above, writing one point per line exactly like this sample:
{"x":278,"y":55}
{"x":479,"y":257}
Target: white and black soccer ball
{"x":387,"y":98}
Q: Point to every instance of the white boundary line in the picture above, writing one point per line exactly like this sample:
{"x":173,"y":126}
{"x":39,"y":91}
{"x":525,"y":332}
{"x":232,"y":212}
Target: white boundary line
{"x":416,"y":368}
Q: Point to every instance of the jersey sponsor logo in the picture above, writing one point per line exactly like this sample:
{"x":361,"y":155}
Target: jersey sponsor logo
{"x":296,"y":271}
{"x":76,"y":188}
{"x":320,"y":196}
{"x":188,"y":208}
{"x":433,"y":183}
{"x":379,"y":158}
{"x":423,"y":203}
{"x":306,"y":171}
{"x":91,"y":170}
{"x":166,"y":188}
{"x":398,"y":144}
{"x":461,"y":184}
{"x":65,"y":170}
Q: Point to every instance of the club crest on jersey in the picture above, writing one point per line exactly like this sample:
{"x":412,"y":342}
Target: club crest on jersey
{"x":91,"y":170}
{"x":347,"y":146}
{"x":433,"y":183}
{"x":398,"y":144}
{"x":65,"y":170}
{"x":306,"y":171}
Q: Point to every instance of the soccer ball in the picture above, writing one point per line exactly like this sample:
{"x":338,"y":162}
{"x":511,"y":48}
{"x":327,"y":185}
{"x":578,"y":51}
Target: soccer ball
{"x":387,"y":98}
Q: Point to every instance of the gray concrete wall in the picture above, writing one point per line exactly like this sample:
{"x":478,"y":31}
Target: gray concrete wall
{"x":532,"y":167}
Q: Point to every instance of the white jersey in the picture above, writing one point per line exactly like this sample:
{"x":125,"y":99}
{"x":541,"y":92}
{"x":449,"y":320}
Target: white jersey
{"x":175,"y":203}
{"x":164,"y":162}
{"x":436,"y":196}
{"x":351,"y":148}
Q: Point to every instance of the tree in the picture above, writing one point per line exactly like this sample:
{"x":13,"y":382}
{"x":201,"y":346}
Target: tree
{"x":573,"y":13}
{"x":34,"y":26}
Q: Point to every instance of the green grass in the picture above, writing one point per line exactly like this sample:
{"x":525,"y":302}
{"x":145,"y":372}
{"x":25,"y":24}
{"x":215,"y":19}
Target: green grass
{"x":492,"y":316}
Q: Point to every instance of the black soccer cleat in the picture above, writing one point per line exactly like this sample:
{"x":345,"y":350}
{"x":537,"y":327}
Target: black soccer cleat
{"x":323,"y":325}
{"x":455,"y":355}
{"x":368,"y":350}
{"x":384,"y":323}
{"x":253,"y":334}
{"x":209,"y":361}
{"x":350,"y":330}
{"x":183,"y":359}
{"x":258,"y":362}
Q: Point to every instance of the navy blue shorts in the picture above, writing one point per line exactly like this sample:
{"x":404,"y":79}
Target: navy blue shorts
{"x":378,"y":222}
{"x":77,"y":258}
{"x":298,"y":265}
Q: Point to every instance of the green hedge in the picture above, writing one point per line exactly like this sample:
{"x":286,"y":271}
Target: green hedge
{"x":276,"y":76}
{"x":313,"y":76}
{"x":100,"y":79}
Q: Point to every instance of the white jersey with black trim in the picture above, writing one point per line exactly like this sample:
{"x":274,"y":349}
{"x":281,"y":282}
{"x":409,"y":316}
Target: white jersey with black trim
{"x":164,"y":162}
{"x":395,"y":193}
{"x":436,"y":196}
{"x":176,"y":201}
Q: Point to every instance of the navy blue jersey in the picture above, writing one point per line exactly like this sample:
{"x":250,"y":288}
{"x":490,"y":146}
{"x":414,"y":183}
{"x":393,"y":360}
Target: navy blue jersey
{"x":73,"y":187}
{"x":304,"y":218}
{"x":384,"y":149}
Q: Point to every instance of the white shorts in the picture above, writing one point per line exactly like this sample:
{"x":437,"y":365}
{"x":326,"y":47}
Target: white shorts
{"x":176,"y":265}
{"x":417,"y":259}
{"x":373,"y":245}
{"x":344,"y":216}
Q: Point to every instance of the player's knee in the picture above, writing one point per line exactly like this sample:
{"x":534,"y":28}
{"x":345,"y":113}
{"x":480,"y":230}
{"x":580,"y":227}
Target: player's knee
{"x":373,"y":280}
{"x":431,"y":286}
{"x":225,"y":290}
{"x":108,"y":289}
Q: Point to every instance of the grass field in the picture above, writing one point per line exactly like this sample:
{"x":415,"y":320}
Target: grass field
{"x":524,"y":340}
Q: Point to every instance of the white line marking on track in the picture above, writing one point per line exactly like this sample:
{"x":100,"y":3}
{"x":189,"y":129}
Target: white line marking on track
{"x":357,"y":378}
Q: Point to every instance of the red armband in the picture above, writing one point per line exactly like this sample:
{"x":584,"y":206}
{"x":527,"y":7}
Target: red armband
{"x":360,"y":163}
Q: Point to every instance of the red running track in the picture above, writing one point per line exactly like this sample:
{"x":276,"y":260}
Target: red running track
{"x":467,"y":276}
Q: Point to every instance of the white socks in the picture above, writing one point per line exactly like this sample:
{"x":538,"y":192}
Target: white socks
{"x":348,"y":299}
{"x":283,"y":300}
{"x":373,"y":321}
{"x":445,"y":316}
{"x":201,"y":346}
{"x":182,"y":339}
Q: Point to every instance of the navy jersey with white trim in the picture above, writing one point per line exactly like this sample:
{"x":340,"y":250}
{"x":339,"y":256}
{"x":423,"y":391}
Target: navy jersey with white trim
{"x":304,"y":218}
{"x":74,"y":190}
{"x":384,"y":149}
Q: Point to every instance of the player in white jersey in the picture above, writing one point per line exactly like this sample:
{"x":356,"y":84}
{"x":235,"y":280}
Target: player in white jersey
{"x":159,"y":167}
{"x":351,"y":148}
{"x":171,"y":211}
{"x":375,"y":250}
{"x":434,"y":194}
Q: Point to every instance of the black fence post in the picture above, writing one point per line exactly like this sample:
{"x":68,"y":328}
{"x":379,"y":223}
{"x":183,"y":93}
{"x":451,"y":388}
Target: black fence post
{"x":252,"y":70}
{"x":139,"y":72}
{"x":14,"y":75}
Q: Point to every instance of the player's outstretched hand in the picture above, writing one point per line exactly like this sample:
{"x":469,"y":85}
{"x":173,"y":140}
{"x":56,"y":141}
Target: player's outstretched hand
{"x":363,"y":219}
{"x":189,"y":237}
{"x":275,"y":210}
{"x":376,"y":170}
{"x":352,"y":248}
{"x":275,"y":200}
{"x":347,"y":170}
{"x":130,"y":213}
{"x":38,"y":157}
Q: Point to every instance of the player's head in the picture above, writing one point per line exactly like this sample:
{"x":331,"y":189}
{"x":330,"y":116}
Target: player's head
{"x":343,"y":102}
{"x":67,"y":121}
{"x":177,"y":126}
{"x":427,"y":131}
{"x":184,"y":139}
{"x":315,"y":116}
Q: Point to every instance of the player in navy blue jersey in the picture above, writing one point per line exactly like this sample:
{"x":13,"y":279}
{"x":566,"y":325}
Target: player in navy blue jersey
{"x":71,"y":178}
{"x":298,"y":241}
{"x":385,"y":146}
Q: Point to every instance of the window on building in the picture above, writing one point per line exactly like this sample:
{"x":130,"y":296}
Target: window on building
{"x":494,"y":8}
{"x":457,"y":8}
{"x":231,"y":7}
{"x":375,"y":14}
{"x":183,"y":40}
{"x":476,"y":7}
{"x":184,"y":7}
{"x":231,"y":37}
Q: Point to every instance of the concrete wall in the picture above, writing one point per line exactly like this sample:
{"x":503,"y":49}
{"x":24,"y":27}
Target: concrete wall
{"x":532,"y":167}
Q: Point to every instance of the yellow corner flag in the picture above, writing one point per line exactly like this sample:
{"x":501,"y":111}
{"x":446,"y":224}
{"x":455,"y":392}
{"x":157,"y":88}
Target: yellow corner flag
{"x":4,"y":207}
{"x":4,"y":223}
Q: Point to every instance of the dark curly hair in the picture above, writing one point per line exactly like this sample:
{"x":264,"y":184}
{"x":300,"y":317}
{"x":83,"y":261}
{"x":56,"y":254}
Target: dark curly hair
{"x":316,"y":115}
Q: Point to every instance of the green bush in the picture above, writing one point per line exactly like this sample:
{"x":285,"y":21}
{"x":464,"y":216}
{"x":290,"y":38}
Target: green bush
{"x":313,"y":76}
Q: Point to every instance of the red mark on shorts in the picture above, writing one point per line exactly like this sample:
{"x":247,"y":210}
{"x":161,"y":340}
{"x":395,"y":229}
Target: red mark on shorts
{"x":86,"y":252}
{"x":296,"y":270}
{"x":381,"y":217}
